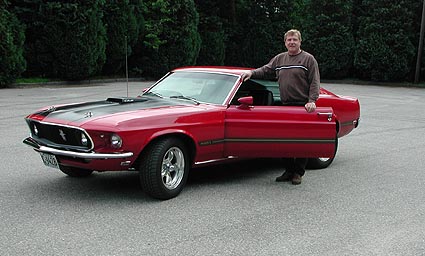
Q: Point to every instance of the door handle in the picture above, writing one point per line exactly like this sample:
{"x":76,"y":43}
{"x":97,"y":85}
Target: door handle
{"x":327,"y":114}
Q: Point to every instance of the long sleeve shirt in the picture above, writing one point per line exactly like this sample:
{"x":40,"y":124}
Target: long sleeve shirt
{"x":298,"y":77}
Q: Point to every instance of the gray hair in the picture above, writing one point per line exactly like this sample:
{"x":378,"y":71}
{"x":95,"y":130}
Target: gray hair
{"x":292,"y":32}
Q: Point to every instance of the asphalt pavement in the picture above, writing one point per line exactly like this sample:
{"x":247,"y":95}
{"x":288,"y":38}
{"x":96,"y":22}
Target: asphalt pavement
{"x":370,"y":201}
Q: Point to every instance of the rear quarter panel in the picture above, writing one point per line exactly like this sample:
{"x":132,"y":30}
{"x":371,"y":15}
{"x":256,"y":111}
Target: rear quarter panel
{"x":346,"y":110}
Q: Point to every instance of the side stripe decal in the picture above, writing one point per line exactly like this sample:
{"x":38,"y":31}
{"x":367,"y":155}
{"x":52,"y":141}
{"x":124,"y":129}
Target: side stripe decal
{"x":266,"y":140}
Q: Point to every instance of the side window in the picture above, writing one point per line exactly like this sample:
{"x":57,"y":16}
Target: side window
{"x":260,"y":94}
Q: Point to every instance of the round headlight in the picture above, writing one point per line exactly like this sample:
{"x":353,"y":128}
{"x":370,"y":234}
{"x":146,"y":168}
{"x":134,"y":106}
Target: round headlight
{"x":116,"y":141}
{"x":84,"y":140}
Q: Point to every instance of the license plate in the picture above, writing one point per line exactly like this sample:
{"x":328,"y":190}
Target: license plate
{"x":49,"y":160}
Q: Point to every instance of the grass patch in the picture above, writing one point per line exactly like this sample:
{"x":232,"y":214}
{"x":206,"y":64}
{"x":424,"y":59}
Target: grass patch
{"x":32,"y":80}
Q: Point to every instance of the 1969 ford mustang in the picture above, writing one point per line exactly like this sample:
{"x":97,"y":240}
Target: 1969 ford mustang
{"x":190,"y":117}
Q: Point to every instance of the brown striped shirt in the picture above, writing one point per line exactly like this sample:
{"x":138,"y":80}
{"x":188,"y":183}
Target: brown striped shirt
{"x":298,"y":77}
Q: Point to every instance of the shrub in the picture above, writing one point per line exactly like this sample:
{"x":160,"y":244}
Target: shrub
{"x":329,"y":36}
{"x":171,"y":37}
{"x":123,"y":30}
{"x":257,"y":35}
{"x":384,"y":50}
{"x":12,"y":62}
{"x":75,"y":36}
{"x":212,"y":51}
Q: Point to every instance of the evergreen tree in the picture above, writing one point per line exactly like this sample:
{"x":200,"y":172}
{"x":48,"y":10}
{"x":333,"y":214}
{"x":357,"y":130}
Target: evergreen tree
{"x":76,"y":37}
{"x":257,"y":35}
{"x":12,"y":62}
{"x":212,"y":34}
{"x":329,"y":36}
{"x":35,"y":51}
{"x":66,"y":39}
{"x":123,"y":28}
{"x":384,"y":49}
{"x":171,"y":37}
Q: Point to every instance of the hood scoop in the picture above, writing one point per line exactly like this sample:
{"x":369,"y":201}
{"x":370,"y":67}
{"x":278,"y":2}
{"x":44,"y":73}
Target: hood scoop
{"x":125,"y":100}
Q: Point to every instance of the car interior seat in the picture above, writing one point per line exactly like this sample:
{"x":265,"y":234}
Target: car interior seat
{"x":262,"y":97}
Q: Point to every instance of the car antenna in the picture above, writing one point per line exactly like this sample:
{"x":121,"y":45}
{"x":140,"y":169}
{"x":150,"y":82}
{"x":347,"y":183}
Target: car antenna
{"x":126,"y":62}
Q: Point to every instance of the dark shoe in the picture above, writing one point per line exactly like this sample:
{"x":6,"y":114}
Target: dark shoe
{"x":296,"y":179}
{"x":286,"y":176}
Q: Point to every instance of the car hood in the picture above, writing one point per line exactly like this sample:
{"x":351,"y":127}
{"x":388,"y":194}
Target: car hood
{"x":113,"y":111}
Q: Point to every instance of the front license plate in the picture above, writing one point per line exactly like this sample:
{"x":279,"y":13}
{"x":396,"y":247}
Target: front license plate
{"x":49,"y":160}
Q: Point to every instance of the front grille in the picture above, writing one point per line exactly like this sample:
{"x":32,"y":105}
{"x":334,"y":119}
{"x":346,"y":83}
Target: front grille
{"x":59,"y":136}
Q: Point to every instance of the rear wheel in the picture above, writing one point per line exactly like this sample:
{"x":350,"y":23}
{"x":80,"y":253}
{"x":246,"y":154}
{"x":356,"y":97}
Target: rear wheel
{"x":75,"y":172}
{"x":164,"y":168}
{"x":319,"y":163}
{"x":322,"y":162}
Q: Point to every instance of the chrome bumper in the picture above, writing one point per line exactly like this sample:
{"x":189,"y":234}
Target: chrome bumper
{"x":40,"y":148}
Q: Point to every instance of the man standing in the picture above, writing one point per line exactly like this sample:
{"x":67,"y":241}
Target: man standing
{"x":298,"y":76}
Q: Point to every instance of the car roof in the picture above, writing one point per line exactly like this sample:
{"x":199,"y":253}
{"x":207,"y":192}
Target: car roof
{"x":214,"y":69}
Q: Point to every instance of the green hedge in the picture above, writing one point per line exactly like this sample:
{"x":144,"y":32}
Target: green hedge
{"x":171,"y":37}
{"x":75,"y":37}
{"x":212,"y":51}
{"x":256,"y":35}
{"x":329,"y":36}
{"x":385,"y":50}
{"x":12,"y":62}
{"x":123,"y":27}
{"x":72,"y":39}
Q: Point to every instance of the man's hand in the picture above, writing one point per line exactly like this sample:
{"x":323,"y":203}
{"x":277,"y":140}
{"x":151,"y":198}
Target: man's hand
{"x":246,"y":75}
{"x":310,"y":107}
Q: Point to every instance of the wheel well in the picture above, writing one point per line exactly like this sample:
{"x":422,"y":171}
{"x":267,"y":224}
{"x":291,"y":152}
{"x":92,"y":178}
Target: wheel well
{"x":188,"y":142}
{"x":337,"y":126}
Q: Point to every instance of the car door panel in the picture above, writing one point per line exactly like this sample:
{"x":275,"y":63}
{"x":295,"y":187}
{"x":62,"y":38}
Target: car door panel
{"x":279,"y":131}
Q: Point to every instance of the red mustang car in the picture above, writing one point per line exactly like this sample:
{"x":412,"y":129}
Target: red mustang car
{"x":191,"y":116}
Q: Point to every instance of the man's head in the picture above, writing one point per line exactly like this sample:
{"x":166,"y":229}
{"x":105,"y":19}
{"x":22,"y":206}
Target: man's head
{"x":293,"y":41}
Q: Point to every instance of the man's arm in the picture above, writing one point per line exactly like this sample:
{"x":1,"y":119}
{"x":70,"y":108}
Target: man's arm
{"x":265,"y":71}
{"x":314,"y":81}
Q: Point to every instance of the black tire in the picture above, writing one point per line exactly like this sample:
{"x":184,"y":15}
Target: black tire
{"x":164,"y":168}
{"x":321,"y":162}
{"x":75,"y":172}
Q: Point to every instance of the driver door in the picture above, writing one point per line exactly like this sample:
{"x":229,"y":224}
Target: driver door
{"x":279,"y":131}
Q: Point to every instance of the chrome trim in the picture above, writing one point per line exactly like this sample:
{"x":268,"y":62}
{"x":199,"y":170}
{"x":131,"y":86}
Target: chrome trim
{"x":328,"y":114}
{"x":66,"y":126}
{"x":200,"y":70}
{"x":216,"y":160}
{"x":39,"y":148}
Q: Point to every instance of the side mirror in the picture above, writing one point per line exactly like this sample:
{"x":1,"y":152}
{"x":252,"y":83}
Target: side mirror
{"x":246,"y":102}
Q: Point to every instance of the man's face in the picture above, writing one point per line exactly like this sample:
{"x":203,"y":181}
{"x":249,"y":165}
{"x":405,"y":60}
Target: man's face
{"x":293,"y":44}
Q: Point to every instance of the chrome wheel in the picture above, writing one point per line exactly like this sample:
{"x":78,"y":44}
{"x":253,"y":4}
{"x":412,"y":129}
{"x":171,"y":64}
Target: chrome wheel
{"x":173,"y":168}
{"x":323,"y":159}
{"x":164,"y":168}
{"x":321,"y":162}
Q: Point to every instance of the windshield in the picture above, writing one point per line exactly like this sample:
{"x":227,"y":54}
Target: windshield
{"x":198,"y":86}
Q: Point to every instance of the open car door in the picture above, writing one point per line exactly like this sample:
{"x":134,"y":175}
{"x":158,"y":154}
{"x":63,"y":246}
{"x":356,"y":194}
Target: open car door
{"x":278,"y":131}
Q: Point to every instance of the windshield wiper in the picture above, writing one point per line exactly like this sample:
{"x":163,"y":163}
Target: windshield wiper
{"x":185,"y":98}
{"x":153,"y":93}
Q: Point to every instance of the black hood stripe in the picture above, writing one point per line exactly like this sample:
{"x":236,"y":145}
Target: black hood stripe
{"x":81,"y":111}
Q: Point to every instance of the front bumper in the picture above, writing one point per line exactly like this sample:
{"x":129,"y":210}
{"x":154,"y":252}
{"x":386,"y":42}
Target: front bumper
{"x":89,"y":155}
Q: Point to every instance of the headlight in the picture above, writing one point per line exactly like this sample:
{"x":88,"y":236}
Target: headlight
{"x":116,"y":141}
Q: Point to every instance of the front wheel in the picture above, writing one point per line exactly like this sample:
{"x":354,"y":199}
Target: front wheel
{"x":164,"y":168}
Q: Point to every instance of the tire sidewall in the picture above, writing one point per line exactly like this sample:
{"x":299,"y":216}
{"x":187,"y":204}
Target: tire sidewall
{"x":151,"y":166}
{"x":317,"y":163}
